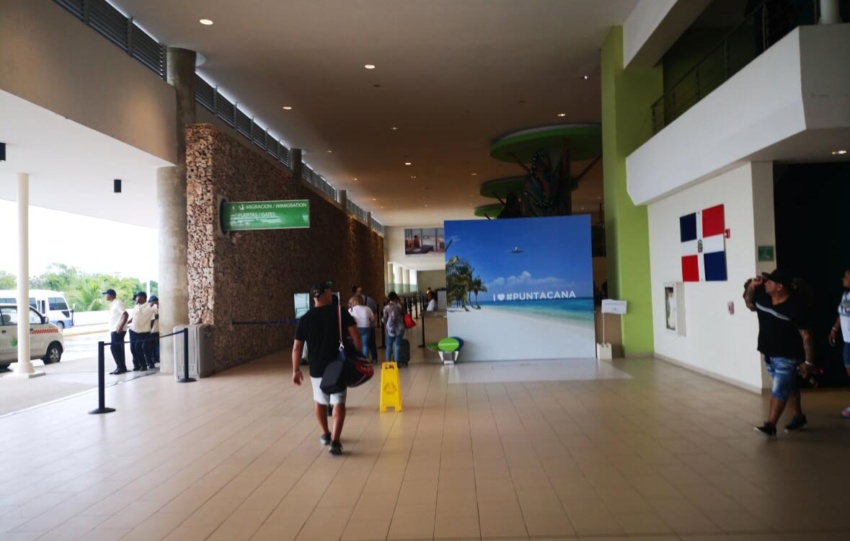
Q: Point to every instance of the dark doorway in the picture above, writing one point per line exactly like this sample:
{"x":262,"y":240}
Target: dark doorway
{"x":812,"y":212}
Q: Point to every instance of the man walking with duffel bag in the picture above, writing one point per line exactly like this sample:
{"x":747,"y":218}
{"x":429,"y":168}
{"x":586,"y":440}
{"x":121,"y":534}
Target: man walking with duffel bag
{"x":320,"y":329}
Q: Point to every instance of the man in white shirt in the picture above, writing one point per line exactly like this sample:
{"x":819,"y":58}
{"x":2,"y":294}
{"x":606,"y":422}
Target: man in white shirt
{"x":117,"y":329}
{"x":154,"y":302}
{"x":140,"y":333}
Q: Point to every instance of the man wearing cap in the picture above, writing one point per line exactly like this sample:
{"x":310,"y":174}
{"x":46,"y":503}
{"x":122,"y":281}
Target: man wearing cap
{"x":785,"y":340}
{"x":154,"y":303}
{"x":320,"y":328}
{"x":117,"y":329}
{"x":140,"y":332}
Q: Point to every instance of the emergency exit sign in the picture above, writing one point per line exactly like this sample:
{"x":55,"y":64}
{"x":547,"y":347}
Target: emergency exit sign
{"x":259,"y":215}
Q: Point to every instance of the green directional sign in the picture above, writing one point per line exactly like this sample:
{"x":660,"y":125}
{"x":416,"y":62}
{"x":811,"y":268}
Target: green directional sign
{"x":257,"y":215}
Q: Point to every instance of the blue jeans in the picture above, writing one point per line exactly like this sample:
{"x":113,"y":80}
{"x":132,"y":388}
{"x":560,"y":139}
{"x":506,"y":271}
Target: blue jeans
{"x":373,"y":344}
{"x":364,"y":338}
{"x":393,"y":343}
{"x":116,"y":345}
{"x":784,"y":374}
{"x":847,"y":355}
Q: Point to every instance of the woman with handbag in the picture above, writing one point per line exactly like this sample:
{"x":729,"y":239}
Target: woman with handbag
{"x":393,"y":320}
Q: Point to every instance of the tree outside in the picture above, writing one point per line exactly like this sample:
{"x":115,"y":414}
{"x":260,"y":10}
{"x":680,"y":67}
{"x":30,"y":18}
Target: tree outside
{"x":83,"y":290}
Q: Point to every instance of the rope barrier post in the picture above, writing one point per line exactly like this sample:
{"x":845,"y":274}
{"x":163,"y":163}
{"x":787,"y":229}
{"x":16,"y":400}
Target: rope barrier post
{"x":101,"y":384}
{"x":186,"y":378}
{"x":422,"y":320}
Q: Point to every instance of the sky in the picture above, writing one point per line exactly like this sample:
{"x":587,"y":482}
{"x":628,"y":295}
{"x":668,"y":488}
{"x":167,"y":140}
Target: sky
{"x":526,"y":254}
{"x":90,"y":244}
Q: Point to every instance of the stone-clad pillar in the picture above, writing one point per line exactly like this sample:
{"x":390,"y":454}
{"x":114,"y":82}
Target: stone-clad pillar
{"x":172,"y":211}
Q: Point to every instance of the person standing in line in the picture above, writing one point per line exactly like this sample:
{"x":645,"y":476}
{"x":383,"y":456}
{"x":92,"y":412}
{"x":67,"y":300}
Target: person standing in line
{"x":373,"y":306}
{"x":393,"y":320}
{"x":364,"y":317}
{"x":432,"y":302}
{"x":117,"y":329}
{"x":320,"y":328}
{"x":785,"y":340}
{"x":842,"y":323}
{"x":140,"y":322}
{"x":154,"y":303}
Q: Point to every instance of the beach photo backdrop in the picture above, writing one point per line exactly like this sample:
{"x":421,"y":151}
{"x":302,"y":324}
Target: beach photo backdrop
{"x":521,"y":288}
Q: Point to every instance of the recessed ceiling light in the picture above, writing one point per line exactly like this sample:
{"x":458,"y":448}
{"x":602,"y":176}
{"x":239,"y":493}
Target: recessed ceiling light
{"x":374,"y":199}
{"x":287,"y":107}
{"x":562,"y":114}
{"x":839,"y":152}
{"x":355,"y":179}
{"x":395,"y":128}
{"x":413,"y":176}
{"x":369,"y":66}
{"x":474,"y":174}
{"x":408,"y":163}
{"x":585,"y":77}
{"x":206,"y":22}
{"x":330,"y":151}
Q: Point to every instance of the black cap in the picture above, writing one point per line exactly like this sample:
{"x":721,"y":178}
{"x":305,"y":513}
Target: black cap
{"x":779,"y":276}
{"x":110,"y":292}
{"x":319,"y":288}
{"x":154,"y":298}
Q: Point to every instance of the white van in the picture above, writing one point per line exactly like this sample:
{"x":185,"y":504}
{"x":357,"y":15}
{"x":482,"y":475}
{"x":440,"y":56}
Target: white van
{"x":46,"y":340}
{"x":50,"y":303}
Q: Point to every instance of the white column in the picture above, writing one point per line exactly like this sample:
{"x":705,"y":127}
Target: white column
{"x":829,"y":12}
{"x":398,"y":277}
{"x":414,"y":281}
{"x":405,"y":280}
{"x":24,"y":367}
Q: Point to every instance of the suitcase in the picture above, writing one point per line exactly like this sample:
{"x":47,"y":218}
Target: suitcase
{"x":403,"y":352}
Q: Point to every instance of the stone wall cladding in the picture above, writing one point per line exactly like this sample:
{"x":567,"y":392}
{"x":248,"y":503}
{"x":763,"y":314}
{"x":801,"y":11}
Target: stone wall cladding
{"x":252,"y":276}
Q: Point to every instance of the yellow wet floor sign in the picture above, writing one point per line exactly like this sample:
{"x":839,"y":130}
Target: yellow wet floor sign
{"x":390,"y":387}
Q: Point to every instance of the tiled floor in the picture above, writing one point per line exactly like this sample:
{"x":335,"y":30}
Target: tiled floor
{"x":666,"y":454}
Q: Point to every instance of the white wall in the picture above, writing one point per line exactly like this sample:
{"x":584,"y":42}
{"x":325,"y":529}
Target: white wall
{"x":53,"y":60}
{"x":716,"y":343}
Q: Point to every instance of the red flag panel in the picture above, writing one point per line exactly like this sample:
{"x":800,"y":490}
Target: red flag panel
{"x":690,"y":268}
{"x":713,"y":221}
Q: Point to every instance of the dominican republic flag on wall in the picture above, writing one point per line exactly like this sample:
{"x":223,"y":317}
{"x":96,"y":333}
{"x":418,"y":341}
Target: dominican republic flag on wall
{"x":703,"y":245}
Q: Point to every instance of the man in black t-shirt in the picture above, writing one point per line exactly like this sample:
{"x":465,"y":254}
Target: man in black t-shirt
{"x":321,"y":329}
{"x":785,"y":340}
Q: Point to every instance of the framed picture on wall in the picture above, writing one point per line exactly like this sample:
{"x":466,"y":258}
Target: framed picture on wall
{"x":425,"y":240}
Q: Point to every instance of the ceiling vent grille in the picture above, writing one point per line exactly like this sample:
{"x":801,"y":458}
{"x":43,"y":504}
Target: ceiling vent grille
{"x":74,"y":6}
{"x":109,"y":22}
{"x":147,"y":50}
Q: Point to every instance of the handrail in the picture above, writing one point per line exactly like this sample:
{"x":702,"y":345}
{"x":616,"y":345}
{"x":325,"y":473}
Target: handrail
{"x":665,"y":109}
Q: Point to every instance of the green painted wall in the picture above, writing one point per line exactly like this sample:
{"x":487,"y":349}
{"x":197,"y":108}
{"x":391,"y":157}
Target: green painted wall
{"x":626,"y":124}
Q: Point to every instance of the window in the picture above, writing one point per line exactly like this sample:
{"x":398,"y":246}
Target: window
{"x":57,"y":303}
{"x":34,"y":318}
{"x":9,"y":316}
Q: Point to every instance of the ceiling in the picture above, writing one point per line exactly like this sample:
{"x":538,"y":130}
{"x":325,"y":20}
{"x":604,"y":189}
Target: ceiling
{"x":450,"y":76}
{"x":71,"y":167}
